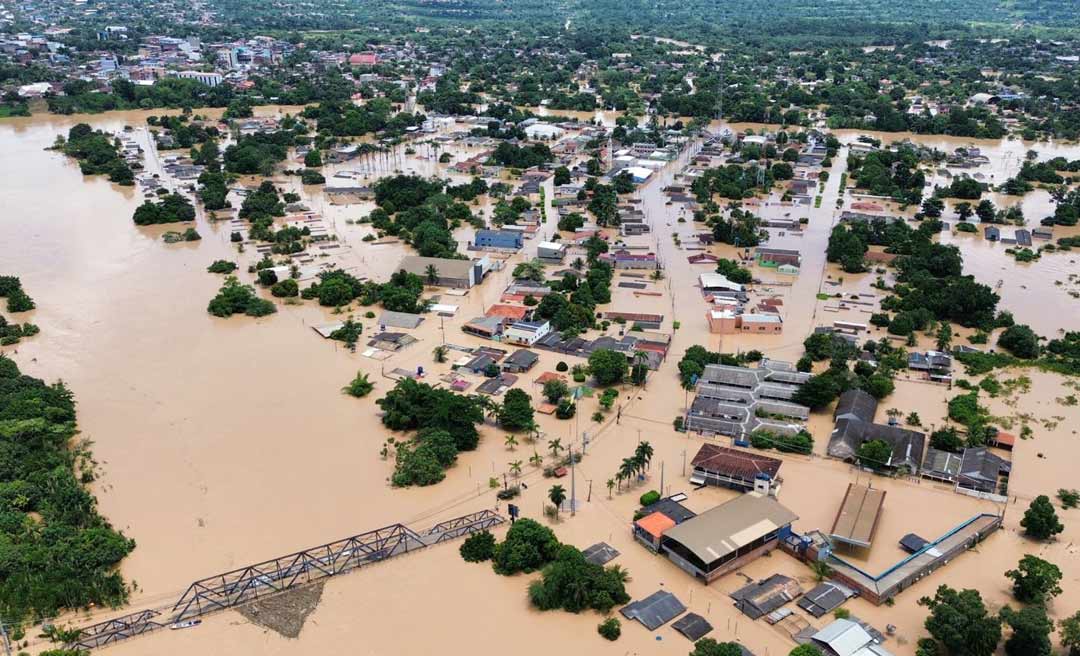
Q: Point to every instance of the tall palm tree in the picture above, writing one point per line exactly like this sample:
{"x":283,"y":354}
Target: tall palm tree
{"x":628,"y":468}
{"x":432,"y":273}
{"x":555,"y":446}
{"x":557,"y":494}
{"x":536,"y":460}
{"x":515,"y":468}
{"x":510,"y":441}
{"x":620,"y":477}
{"x":610,"y":486}
{"x":644,"y":453}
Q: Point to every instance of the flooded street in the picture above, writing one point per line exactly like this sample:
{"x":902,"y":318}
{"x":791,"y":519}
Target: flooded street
{"x":227,"y":441}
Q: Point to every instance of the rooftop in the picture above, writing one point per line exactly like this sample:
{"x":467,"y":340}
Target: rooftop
{"x":718,"y":532}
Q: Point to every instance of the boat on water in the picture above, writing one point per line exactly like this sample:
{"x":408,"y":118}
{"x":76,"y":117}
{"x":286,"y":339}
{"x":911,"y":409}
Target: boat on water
{"x":187,"y":624}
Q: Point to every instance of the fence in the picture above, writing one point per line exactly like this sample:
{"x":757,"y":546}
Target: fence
{"x":278,"y":575}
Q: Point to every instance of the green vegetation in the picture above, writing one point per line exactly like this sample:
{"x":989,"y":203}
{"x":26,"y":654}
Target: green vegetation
{"x":1040,"y":520}
{"x":97,"y":154}
{"x":172,"y":208}
{"x":959,"y":623}
{"x":610,"y":629}
{"x":1035,"y":581}
{"x":446,"y":424}
{"x":17,"y":298}
{"x":221,"y":266}
{"x":573,"y":584}
{"x":478,"y":547}
{"x":608,"y":367}
{"x":360,"y":386}
{"x":236,"y":298}
{"x":516,"y":413}
{"x":59,"y":552}
{"x":801,"y":442}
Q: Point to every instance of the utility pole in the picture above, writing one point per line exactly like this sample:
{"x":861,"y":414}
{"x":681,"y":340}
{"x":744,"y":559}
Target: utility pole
{"x":7,"y":641}
{"x":661,"y":478}
{"x":684,"y":462}
{"x":573,"y":485}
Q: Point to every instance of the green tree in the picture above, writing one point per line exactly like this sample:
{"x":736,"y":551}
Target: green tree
{"x":478,"y":547}
{"x":817,"y":392}
{"x":610,"y":629}
{"x":608,"y":367}
{"x":1021,"y":341}
{"x":1070,"y":633}
{"x":440,"y":353}
{"x":960,"y":624}
{"x":555,"y":389}
{"x":557,"y":494}
{"x":517,"y":410}
{"x":528,"y":546}
{"x":1040,"y":520}
{"x":1031,"y":629}
{"x":1035,"y":580}
{"x":804,"y":650}
{"x":313,"y":159}
{"x":875,"y":454}
{"x":510,"y":441}
{"x":710,"y":647}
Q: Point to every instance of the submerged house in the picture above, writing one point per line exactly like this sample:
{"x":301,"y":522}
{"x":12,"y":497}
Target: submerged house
{"x":854,"y":417}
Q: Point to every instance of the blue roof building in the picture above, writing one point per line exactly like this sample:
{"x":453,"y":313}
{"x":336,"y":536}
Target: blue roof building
{"x":499,"y":239}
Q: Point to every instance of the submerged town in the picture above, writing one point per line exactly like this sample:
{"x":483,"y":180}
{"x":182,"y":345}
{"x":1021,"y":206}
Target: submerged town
{"x":694,"y":328}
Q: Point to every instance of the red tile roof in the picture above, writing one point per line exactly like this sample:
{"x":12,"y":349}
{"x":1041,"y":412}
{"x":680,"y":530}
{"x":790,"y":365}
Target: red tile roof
{"x":735,"y":463}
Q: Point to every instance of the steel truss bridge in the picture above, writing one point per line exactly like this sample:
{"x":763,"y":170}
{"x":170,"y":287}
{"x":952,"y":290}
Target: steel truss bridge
{"x":240,"y":586}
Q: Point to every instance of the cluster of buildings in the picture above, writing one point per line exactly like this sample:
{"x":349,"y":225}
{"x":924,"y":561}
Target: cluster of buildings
{"x":738,"y":401}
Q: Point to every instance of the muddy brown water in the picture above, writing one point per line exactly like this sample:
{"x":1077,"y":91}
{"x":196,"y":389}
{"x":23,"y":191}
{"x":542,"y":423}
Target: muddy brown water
{"x":224,"y":442}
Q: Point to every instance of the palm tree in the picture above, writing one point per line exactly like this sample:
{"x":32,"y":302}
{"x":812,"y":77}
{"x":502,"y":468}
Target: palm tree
{"x":510,"y":441}
{"x":644,"y":453}
{"x":515,"y":468}
{"x":359,"y":387}
{"x":578,"y":264}
{"x":532,"y":431}
{"x":536,"y":460}
{"x":556,"y":446}
{"x":620,"y":573}
{"x":557,"y":494}
{"x":432,"y":273}
{"x":440,"y":353}
{"x":610,"y":486}
{"x":620,"y":477}
{"x":628,"y":468}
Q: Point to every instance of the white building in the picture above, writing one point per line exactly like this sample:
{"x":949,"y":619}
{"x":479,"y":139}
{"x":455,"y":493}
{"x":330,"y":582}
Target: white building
{"x":551,"y":250}
{"x":526,"y":333}
{"x":210,"y":79}
{"x":715,"y":282}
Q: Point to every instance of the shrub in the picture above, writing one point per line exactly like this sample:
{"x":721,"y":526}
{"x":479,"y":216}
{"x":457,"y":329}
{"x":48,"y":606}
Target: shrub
{"x":221,"y":266}
{"x":528,"y":546}
{"x":285,"y":289}
{"x":649,"y":498}
{"x":561,"y":367}
{"x":478,"y":547}
{"x":610,"y":628}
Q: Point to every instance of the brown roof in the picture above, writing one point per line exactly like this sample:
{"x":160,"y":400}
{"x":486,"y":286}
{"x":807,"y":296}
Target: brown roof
{"x":857,"y":519}
{"x":507,"y":311}
{"x":732,"y":462}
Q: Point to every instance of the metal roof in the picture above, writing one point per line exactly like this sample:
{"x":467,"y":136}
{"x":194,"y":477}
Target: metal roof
{"x":718,"y":532}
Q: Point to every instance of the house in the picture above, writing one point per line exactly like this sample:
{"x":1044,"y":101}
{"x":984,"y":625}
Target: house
{"x":847,"y":638}
{"x":760,"y":323}
{"x":763,"y":597}
{"x":447,"y":272}
{"x":486,"y":327}
{"x":729,"y":399}
{"x":649,"y":530}
{"x":1023,"y":237}
{"x":854,"y":417}
{"x":399,"y":320}
{"x":479,"y":363}
{"x":624,"y":259}
{"x":940,"y":465}
{"x":857,"y":519}
{"x":1043,"y":232}
{"x":982,"y":470}
{"x":502,"y":239}
{"x":526,"y":333}
{"x":937,"y":365}
{"x":552,"y":251}
{"x":777,"y":256}
{"x":729,"y":536}
{"x":992,"y":233}
{"x":825,"y":598}
{"x":733,"y":468}
{"x":508,"y":313}
{"x":520,"y":361}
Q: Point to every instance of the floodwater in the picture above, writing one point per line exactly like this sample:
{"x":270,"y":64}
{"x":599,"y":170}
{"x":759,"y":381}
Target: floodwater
{"x":225,"y":442}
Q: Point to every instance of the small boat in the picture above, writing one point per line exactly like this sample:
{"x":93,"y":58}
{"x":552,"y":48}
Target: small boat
{"x":186,"y":624}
